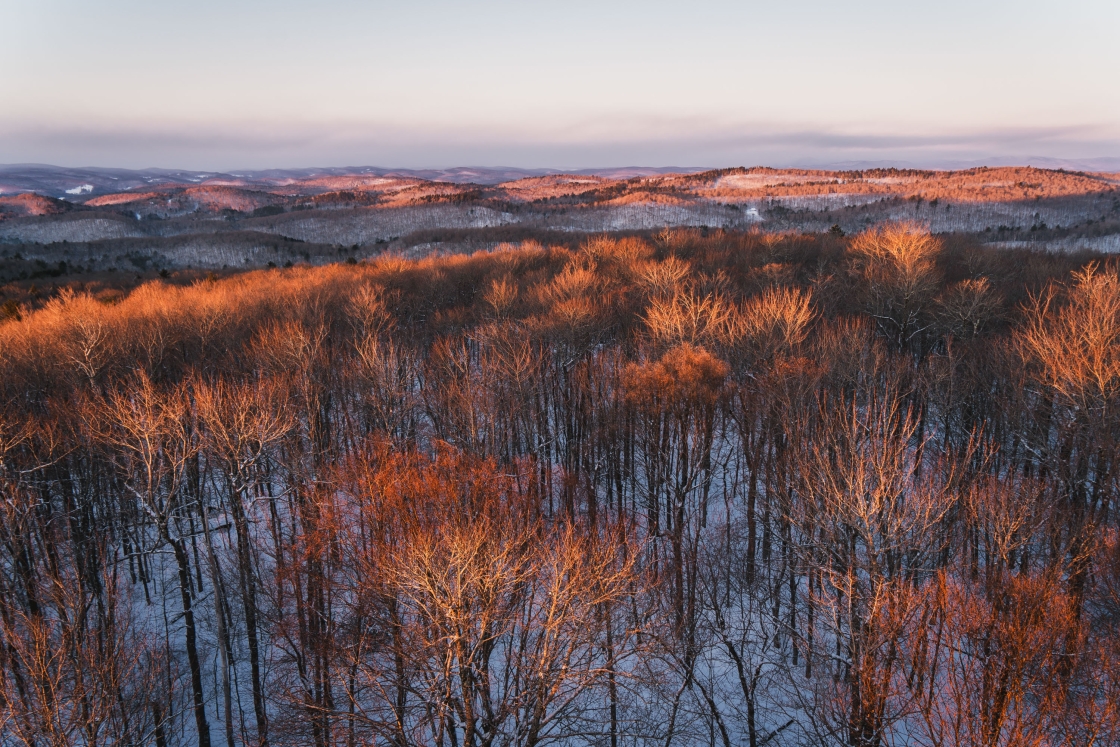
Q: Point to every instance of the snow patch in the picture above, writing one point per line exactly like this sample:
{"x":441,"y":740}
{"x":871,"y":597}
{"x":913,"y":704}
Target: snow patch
{"x":79,"y":190}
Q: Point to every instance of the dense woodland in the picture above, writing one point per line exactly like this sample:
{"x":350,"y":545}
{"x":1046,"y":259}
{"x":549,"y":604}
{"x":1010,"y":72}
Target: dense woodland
{"x":723,"y":489}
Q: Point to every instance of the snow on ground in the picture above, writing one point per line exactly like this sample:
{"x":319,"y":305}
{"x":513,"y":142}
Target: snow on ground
{"x":1107,"y":244}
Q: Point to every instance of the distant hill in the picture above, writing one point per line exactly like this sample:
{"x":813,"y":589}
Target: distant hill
{"x":65,"y":182}
{"x":1043,"y":162}
{"x":106,"y":218}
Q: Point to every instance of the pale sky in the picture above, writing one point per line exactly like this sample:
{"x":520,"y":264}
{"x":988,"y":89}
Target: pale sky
{"x":241,"y":84}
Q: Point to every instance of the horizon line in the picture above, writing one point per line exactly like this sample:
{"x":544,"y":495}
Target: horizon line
{"x":844,"y":165}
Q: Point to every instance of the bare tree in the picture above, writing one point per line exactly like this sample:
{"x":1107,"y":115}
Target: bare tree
{"x":151,"y":440}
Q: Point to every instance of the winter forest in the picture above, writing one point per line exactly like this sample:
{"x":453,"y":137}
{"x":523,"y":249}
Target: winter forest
{"x":724,"y":488}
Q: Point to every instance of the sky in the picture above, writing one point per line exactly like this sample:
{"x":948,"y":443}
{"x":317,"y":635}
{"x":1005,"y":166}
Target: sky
{"x":241,"y":84}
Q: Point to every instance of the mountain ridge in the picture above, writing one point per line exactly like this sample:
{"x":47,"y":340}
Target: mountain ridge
{"x":66,"y":183}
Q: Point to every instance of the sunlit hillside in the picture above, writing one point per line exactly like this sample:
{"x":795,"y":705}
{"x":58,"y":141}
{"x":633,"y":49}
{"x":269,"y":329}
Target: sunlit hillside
{"x":363,"y":215}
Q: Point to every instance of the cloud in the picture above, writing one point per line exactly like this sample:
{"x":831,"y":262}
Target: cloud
{"x":594,"y":143}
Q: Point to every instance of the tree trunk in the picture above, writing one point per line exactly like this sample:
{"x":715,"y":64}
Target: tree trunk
{"x":183,"y":561}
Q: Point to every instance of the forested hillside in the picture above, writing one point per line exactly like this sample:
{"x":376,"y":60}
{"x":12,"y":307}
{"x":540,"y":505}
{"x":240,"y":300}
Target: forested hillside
{"x":161,"y":221}
{"x":705,"y":488}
